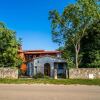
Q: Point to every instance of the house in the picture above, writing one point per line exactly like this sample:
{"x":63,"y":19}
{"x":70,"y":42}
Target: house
{"x":28,"y":55}
{"x":49,"y":63}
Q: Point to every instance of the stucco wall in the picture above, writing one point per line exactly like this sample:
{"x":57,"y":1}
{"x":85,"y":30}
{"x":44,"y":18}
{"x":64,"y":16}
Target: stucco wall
{"x":9,"y":73}
{"x":84,"y":73}
{"x":40,"y":64}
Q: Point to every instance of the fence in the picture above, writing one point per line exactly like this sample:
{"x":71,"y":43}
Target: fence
{"x":9,"y":73}
{"x":84,"y":73}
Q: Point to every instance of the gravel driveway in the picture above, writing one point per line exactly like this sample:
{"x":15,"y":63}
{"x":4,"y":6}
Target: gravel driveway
{"x":48,"y":92}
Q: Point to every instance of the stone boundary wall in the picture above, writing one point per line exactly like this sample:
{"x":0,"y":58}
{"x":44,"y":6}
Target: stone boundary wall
{"x":84,"y":73}
{"x":9,"y":73}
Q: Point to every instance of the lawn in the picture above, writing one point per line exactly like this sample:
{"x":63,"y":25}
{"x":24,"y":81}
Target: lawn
{"x":51,"y":81}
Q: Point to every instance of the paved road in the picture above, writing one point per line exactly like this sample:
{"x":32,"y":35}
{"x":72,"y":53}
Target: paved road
{"x":49,"y":92}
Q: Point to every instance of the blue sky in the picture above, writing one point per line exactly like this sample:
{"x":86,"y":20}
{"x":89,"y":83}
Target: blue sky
{"x":29,"y":18}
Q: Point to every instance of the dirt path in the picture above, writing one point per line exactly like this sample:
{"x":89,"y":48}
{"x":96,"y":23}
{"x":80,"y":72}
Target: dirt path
{"x":49,"y":92}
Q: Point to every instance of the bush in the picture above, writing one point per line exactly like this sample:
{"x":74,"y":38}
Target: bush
{"x":46,"y":77}
{"x":61,"y":75}
{"x":38,"y":75}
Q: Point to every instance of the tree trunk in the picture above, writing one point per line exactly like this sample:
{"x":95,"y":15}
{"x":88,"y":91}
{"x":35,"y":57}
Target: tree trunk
{"x":76,"y":59}
{"x":77,"y":49}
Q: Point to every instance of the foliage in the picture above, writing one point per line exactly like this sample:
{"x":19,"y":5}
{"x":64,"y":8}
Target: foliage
{"x":67,"y":54}
{"x":95,"y":55}
{"x":38,"y":75}
{"x":90,"y":45}
{"x":46,"y":77}
{"x":71,"y":26}
{"x":23,"y":69}
{"x":8,"y":48}
{"x":61,"y":75}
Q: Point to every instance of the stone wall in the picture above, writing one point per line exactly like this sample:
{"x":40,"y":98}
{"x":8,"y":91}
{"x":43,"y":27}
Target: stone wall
{"x":9,"y":73}
{"x":84,"y":73}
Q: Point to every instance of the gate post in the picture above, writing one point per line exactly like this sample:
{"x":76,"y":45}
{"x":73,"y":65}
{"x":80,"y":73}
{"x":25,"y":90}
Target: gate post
{"x":55,"y":71}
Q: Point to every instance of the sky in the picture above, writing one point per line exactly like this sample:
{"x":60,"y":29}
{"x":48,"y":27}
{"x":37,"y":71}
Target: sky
{"x":29,"y":18}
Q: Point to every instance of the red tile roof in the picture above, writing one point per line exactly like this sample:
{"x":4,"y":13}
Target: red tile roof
{"x":42,"y":52}
{"x":38,"y":52}
{"x":34,"y":50}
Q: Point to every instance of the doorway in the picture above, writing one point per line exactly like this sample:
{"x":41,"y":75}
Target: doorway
{"x":47,"y":69}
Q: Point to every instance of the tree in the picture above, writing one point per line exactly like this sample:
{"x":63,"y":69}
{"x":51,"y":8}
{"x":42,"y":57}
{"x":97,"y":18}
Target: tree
{"x":8,"y":48}
{"x":72,"y":25}
{"x":67,"y":54}
{"x":90,"y":46}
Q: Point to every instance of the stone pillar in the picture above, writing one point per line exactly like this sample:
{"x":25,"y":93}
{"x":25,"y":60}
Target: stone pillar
{"x":67,"y":73}
{"x":55,"y":71}
{"x":66,"y":70}
{"x":52,"y":70}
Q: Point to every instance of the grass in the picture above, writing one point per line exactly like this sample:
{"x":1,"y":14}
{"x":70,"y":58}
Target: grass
{"x":51,"y":81}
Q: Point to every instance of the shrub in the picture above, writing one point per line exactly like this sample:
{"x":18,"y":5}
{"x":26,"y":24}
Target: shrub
{"x":38,"y":75}
{"x":46,"y":77}
{"x":23,"y":69}
{"x":61,"y":75}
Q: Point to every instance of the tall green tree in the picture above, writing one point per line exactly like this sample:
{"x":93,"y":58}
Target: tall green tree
{"x":8,"y":48}
{"x":71,"y":26}
{"x":68,"y":55}
{"x":90,"y":46}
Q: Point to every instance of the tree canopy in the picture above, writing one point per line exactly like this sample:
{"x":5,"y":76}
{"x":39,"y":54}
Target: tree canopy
{"x":90,"y":46}
{"x":72,"y":25}
{"x":8,"y":47}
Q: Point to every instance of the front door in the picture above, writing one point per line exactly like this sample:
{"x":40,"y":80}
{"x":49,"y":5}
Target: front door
{"x":47,"y":69}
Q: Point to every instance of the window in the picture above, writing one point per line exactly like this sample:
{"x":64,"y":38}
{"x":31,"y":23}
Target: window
{"x":26,"y":56}
{"x":38,"y":61}
{"x":59,"y":55}
{"x":36,"y":69}
{"x":60,"y":66}
{"x":30,"y":56}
